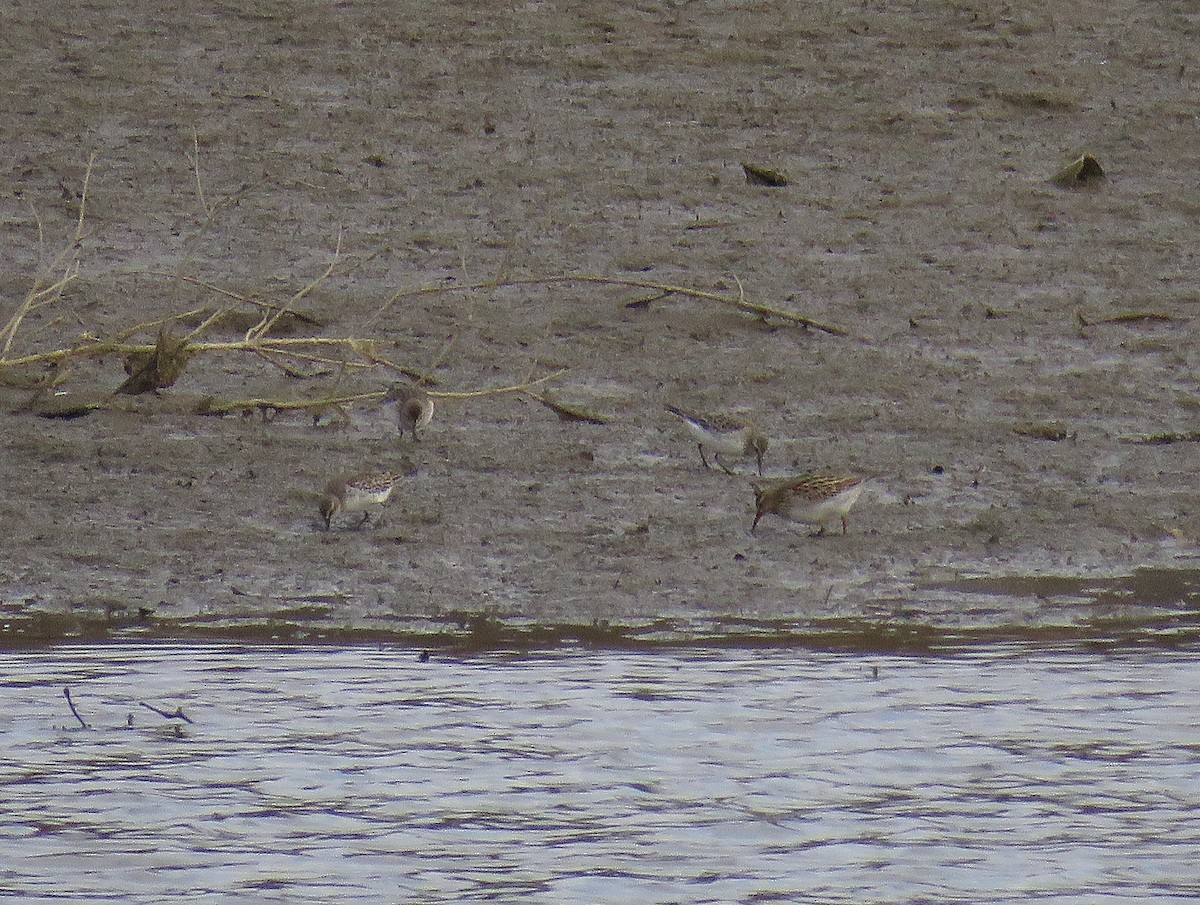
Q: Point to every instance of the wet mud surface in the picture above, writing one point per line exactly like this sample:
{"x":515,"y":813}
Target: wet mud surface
{"x":997,"y":370}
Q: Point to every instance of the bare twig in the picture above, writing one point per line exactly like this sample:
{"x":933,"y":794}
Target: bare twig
{"x":71,"y":704}
{"x":43,"y":293}
{"x":225,"y":407}
{"x":347,"y":352}
{"x":205,"y":324}
{"x":270,"y":358}
{"x":220,"y":290}
{"x":263,"y":327}
{"x":566,"y":412}
{"x":1128,"y":317}
{"x":41,"y":229}
{"x":92,"y":347}
{"x":739,"y":302}
{"x":83,"y":197}
{"x":1164,"y":437}
{"x":422,"y":377}
{"x":168,"y":715}
{"x":499,"y":391}
{"x":39,"y":296}
{"x":195,"y":159}
{"x":741,"y":289}
{"x":149,"y":326}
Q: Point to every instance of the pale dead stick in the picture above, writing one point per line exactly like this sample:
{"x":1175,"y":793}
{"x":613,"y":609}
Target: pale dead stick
{"x":235,"y":405}
{"x":666,"y":288}
{"x":34,"y":298}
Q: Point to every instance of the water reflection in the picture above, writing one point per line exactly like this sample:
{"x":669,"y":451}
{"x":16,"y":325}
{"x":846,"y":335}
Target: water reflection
{"x":320,"y":774}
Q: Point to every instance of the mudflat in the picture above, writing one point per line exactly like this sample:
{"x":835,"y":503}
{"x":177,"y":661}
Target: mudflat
{"x":1012,"y":360}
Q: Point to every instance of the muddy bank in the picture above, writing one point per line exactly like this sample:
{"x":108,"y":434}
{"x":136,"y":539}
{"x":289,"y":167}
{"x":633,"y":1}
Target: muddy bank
{"x":457,"y":145}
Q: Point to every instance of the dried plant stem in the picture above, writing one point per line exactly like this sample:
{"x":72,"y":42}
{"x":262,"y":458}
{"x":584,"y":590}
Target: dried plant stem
{"x":363,"y":353}
{"x":215,"y":407}
{"x":306,"y":349}
{"x":195,"y":160}
{"x":91,"y":347}
{"x":42,"y":294}
{"x":498,"y":391}
{"x":263,"y":327}
{"x":273,"y":359}
{"x":227,"y":406}
{"x":155,"y":325}
{"x":71,"y":704}
{"x":168,"y":715}
{"x":38,"y":297}
{"x":204,"y":325}
{"x":740,"y":302}
{"x":203,"y":284}
{"x":219,"y":290}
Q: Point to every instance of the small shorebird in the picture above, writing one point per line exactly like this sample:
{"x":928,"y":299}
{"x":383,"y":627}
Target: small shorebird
{"x":414,"y":408}
{"x":357,"y":493}
{"x":723,"y":434}
{"x":815,"y":499}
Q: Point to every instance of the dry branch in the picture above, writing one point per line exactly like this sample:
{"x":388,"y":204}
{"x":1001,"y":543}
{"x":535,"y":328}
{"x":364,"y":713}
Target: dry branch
{"x":220,"y":290}
{"x":213,"y":406}
{"x":664,"y":289}
{"x":44,"y":293}
{"x":1164,"y":437}
{"x":194,"y":159}
{"x":91,"y":347}
{"x":341,"y":353}
{"x":178,"y":714}
{"x":566,"y":412}
{"x":268,"y":321}
{"x":1127,"y":317}
{"x":500,"y":391}
{"x":71,"y":704}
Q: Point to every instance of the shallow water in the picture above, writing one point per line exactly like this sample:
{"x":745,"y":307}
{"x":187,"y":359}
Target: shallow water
{"x":1002,"y":774}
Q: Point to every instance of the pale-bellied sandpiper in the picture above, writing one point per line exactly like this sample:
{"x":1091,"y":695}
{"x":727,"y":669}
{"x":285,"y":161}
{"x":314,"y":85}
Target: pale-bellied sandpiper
{"x":723,"y":434}
{"x":815,"y":499}
{"x":357,"y":493}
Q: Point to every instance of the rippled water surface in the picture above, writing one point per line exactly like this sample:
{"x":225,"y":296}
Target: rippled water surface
{"x":1005,"y":774}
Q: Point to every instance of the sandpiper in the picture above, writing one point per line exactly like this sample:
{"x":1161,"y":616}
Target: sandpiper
{"x":357,"y":493}
{"x":723,"y":434}
{"x":414,"y":407}
{"x":815,"y":499}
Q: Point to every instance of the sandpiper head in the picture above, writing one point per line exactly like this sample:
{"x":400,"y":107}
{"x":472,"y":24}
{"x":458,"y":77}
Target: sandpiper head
{"x":330,"y":504}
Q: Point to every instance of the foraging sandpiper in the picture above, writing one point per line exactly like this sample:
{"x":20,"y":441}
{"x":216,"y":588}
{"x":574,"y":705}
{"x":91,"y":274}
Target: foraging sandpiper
{"x":723,"y":434}
{"x":357,"y":493}
{"x":815,"y":499}
{"x":414,"y":407}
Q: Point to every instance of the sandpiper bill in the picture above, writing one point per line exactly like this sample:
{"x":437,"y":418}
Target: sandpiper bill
{"x":723,"y":435}
{"x":357,"y":493}
{"x":815,"y":499}
{"x":414,"y":408}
